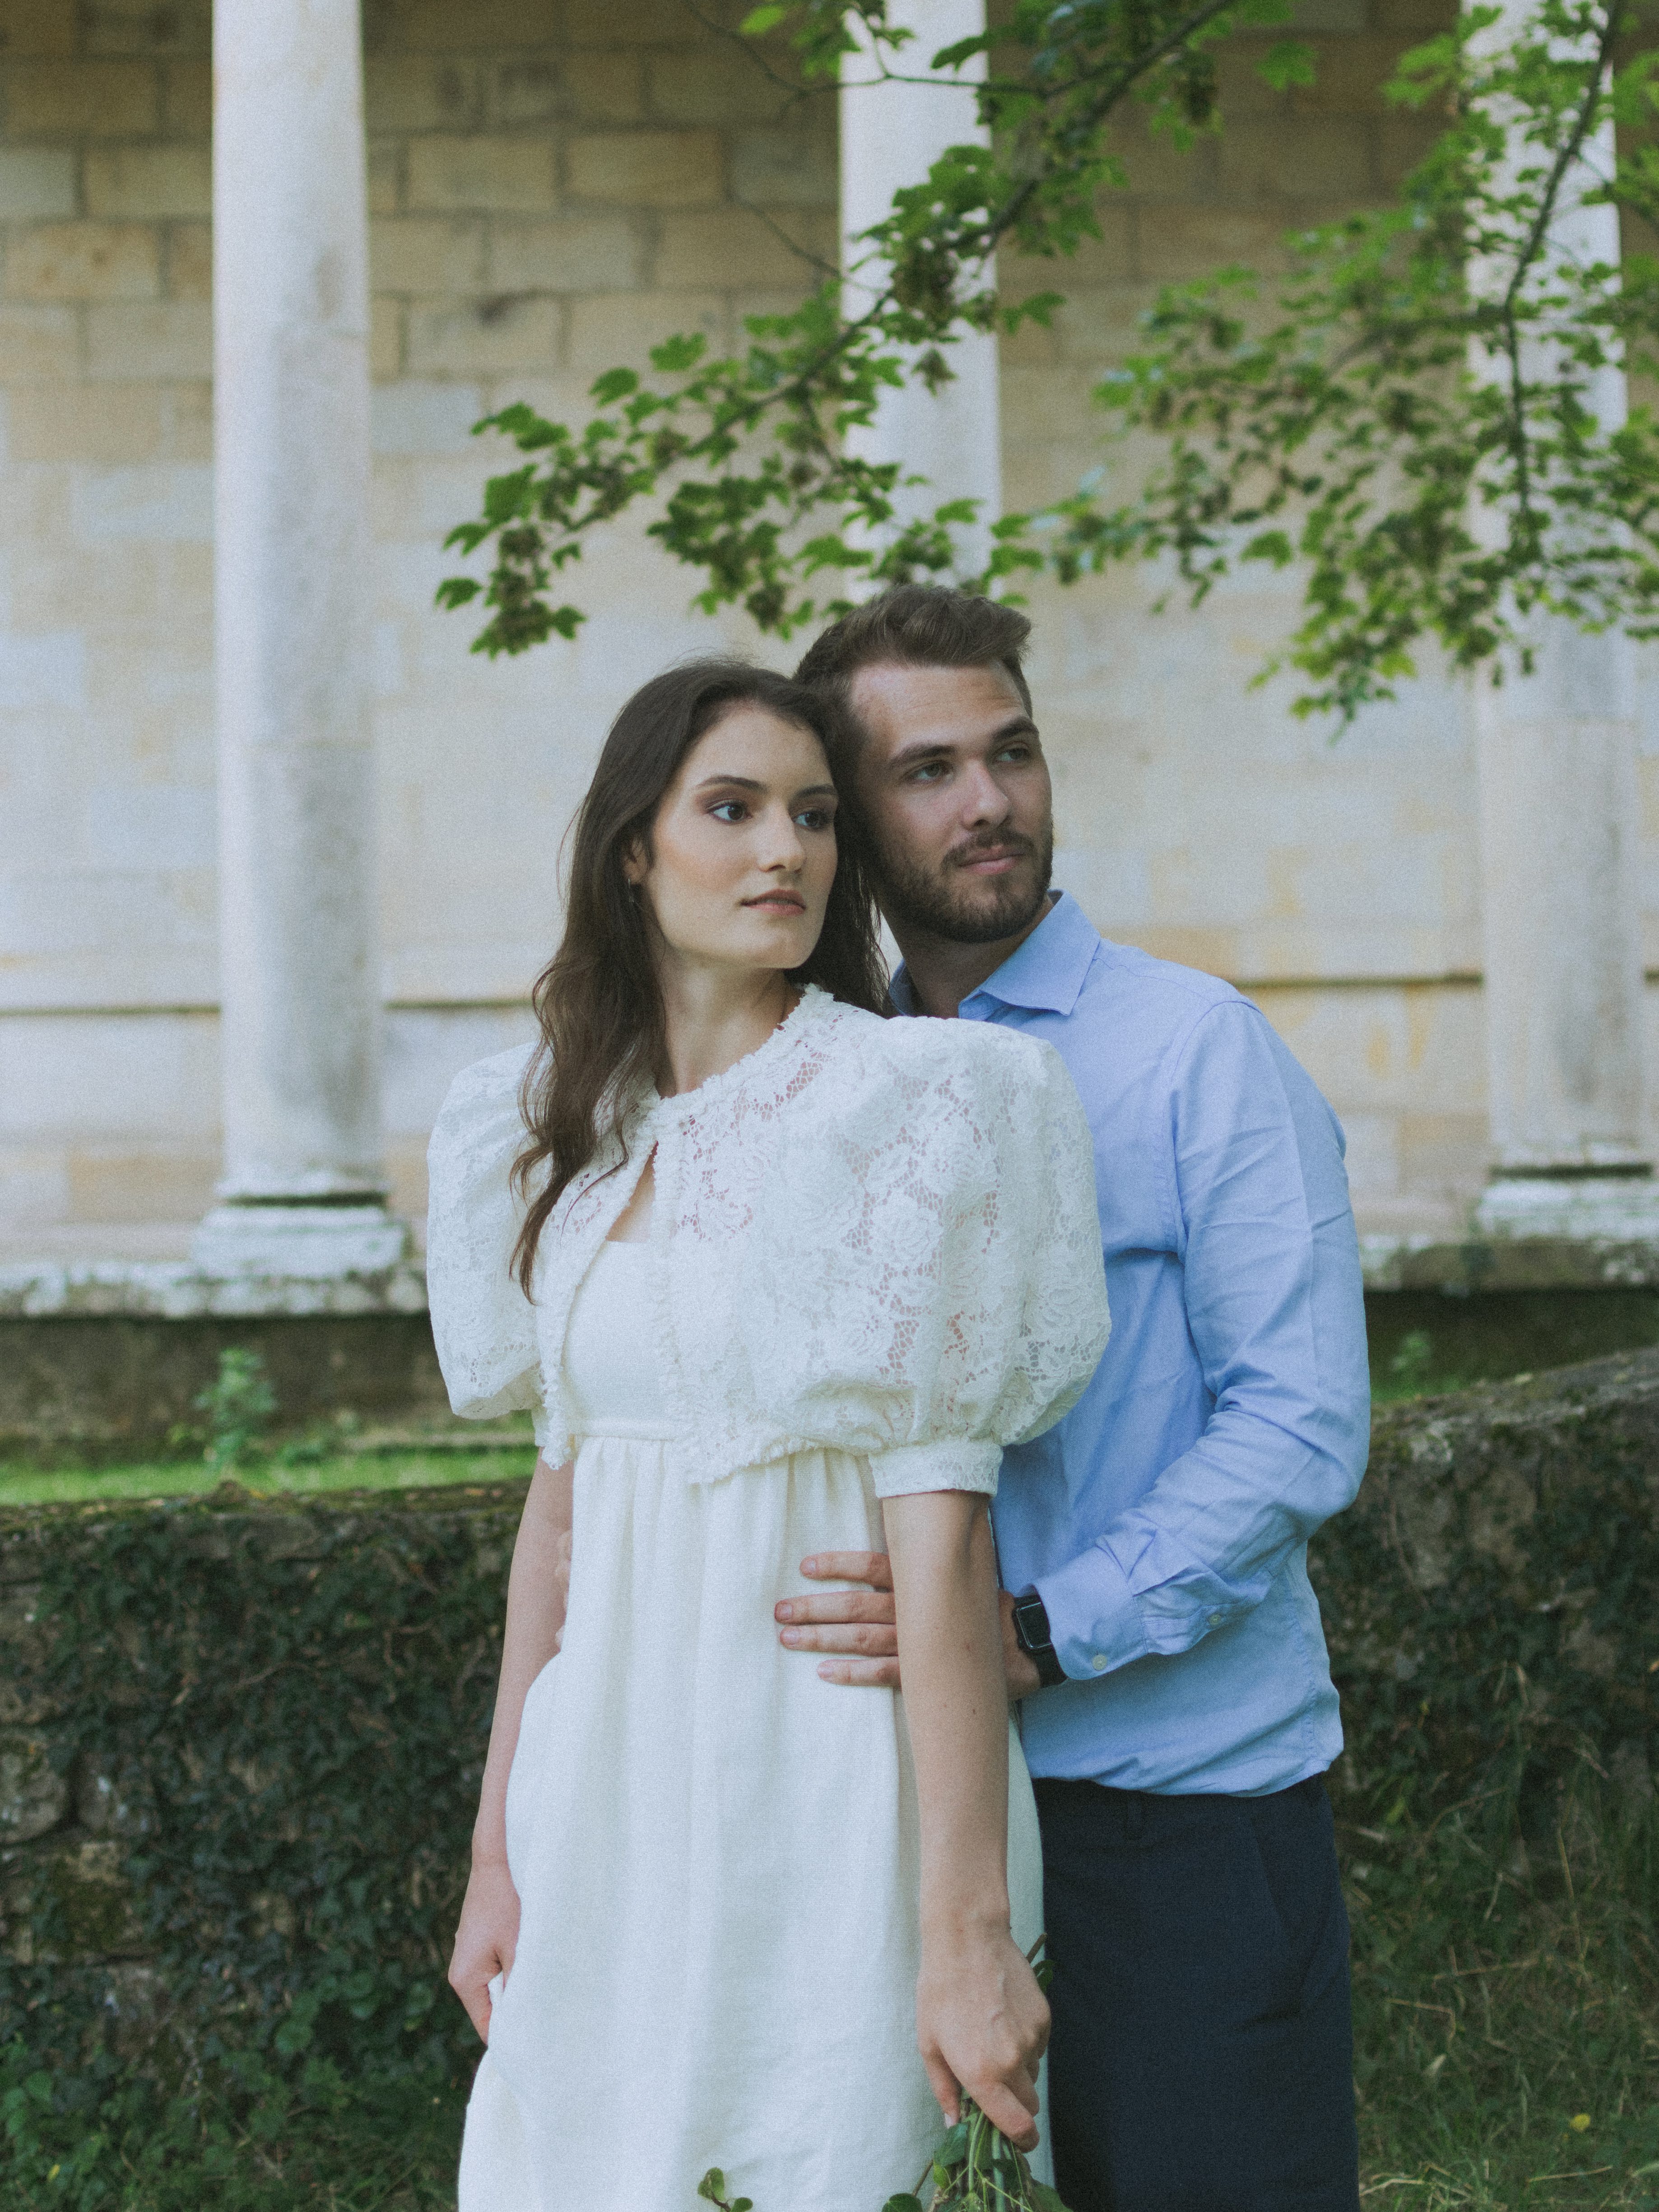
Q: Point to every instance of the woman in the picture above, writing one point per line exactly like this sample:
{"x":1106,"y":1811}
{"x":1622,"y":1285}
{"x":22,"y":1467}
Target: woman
{"x":770,"y":1270}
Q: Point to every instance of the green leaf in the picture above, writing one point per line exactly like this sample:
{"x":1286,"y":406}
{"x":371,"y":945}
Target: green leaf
{"x":1288,"y":61}
{"x":616,"y":383}
{"x":713,"y":2187}
{"x":676,"y":355}
{"x":904,"y":2203}
{"x":456,"y":591}
{"x":759,"y":21}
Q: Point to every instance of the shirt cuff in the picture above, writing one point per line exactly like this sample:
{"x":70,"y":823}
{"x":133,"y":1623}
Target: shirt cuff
{"x":1094,"y":1620}
{"x":905,"y":1469}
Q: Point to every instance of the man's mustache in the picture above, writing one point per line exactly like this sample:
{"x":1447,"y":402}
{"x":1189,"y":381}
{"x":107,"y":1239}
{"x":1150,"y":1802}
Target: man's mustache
{"x":980,"y":848}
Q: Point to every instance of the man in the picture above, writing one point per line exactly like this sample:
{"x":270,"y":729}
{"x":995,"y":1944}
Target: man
{"x":1160,"y":1633}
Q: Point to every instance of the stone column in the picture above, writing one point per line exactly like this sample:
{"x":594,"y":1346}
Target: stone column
{"x":303,"y":1191}
{"x":1558,"y":826}
{"x":891,"y":135}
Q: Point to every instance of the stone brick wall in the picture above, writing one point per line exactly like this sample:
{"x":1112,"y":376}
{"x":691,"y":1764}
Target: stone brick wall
{"x":554,"y":184}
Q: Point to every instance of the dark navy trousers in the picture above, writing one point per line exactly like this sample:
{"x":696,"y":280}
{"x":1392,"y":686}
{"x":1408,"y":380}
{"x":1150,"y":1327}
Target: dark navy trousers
{"x":1202,"y":2055}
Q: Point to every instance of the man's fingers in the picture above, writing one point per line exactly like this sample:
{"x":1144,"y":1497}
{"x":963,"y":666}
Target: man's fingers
{"x":873,"y":1567}
{"x":860,"y":1674}
{"x":870,"y":1643}
{"x":838,"y":1606}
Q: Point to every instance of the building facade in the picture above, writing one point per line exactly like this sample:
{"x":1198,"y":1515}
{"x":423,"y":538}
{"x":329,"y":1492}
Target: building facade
{"x":552,"y":186}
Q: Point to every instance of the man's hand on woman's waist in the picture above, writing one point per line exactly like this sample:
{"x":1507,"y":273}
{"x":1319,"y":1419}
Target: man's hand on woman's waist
{"x":857,"y":1629}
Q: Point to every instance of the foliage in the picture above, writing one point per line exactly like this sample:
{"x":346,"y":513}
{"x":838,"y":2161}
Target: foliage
{"x":294,"y":1735}
{"x":746,"y":455}
{"x":1417,"y":425}
{"x":239,"y":1406}
{"x":296,"y":1724}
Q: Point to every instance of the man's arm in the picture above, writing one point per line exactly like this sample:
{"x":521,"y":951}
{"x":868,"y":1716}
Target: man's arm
{"x":1274,"y":1304}
{"x":1275,"y":1309}
{"x":859,"y":1627}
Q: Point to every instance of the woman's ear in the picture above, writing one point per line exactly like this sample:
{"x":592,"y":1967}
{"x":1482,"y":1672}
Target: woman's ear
{"x":634,"y":863}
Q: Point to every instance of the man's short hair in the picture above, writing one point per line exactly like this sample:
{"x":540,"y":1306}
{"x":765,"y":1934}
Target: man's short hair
{"x":917,"y":626}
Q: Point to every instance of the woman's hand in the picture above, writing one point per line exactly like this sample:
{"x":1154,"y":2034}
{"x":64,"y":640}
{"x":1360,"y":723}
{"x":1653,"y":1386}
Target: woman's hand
{"x":486,"y":1939}
{"x":982,"y":2025}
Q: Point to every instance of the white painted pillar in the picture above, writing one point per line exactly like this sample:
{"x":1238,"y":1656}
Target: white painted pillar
{"x":303,"y":1188}
{"x":891,"y":135}
{"x":1559,"y":828}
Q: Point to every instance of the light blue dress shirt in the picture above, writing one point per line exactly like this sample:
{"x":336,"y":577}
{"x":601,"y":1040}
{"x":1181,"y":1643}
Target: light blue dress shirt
{"x":1165,"y":1520}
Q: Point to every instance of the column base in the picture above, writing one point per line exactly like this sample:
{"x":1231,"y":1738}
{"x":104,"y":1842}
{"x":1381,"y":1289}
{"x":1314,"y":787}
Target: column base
{"x":309,"y":1242}
{"x":1618,"y":1208}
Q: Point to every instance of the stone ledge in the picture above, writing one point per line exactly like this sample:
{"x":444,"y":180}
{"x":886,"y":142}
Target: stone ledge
{"x":177,"y":1290}
{"x":1479,"y":1264}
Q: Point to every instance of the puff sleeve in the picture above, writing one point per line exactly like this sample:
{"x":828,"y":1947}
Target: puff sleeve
{"x":944,"y":1287}
{"x":483,"y":1324}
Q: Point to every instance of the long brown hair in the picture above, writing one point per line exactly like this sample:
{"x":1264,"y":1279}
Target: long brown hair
{"x":603,"y":1030}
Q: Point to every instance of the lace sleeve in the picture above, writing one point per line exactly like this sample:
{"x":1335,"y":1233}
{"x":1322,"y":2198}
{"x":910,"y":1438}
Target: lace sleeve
{"x":483,"y":1326}
{"x":950,"y":1298}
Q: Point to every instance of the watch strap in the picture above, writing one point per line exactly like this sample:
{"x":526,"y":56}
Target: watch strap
{"x":1034,"y":1638}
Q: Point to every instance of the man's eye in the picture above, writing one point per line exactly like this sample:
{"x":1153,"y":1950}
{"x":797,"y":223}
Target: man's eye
{"x":728,"y":809}
{"x":1016,"y":752}
{"x":930,"y":772}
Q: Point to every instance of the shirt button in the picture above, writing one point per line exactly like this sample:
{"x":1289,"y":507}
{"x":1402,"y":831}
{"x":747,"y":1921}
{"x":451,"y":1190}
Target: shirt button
{"x":1098,"y":1662}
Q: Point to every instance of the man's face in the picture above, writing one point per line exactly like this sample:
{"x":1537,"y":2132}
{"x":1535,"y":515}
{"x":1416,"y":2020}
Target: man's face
{"x":953,"y":786}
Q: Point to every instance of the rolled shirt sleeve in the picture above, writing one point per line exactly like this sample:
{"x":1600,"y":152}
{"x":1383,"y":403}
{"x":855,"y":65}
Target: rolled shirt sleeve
{"x":1276,"y":1312}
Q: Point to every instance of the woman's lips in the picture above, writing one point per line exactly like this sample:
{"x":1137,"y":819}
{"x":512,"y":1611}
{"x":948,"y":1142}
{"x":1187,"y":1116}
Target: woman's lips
{"x":777,"y":903}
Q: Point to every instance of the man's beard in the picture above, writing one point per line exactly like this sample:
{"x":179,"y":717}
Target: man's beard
{"x":971,"y":911}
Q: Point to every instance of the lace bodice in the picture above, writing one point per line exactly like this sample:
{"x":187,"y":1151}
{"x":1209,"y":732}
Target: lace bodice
{"x":876,"y":1236}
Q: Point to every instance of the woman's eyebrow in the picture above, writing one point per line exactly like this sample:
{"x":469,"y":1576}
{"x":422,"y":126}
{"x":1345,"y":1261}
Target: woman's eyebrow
{"x":749,"y":783}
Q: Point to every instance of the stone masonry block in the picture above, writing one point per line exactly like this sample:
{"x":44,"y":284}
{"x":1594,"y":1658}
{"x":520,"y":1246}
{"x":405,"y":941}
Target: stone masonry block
{"x":417,"y":92}
{"x":1241,"y":88}
{"x":1324,"y":159}
{"x":36,"y":181}
{"x":608,"y":333}
{"x":441,"y":26}
{"x":1422,"y":18}
{"x":784,"y":169}
{"x":386,"y":318}
{"x":732,"y":246}
{"x":416,"y":254}
{"x":40,"y":27}
{"x":1345,"y":15}
{"x":1176,"y":242}
{"x":604,"y":88}
{"x":187,"y":261}
{"x":39,"y":344}
{"x":528,"y":88}
{"x":100,"y":423}
{"x":79,"y":1884}
{"x":646,"y":168}
{"x":385,"y":176}
{"x":102,"y":99}
{"x":149,"y":180}
{"x":139,"y":26}
{"x":481,"y":173}
{"x":496,"y":334}
{"x":160,"y":339}
{"x":600,"y":253}
{"x":34,"y":1798}
{"x":84,"y":261}
{"x":640,"y":23}
{"x":1349,"y":74}
{"x":1403,"y":140}
{"x":720,"y":84}
{"x":187,"y":100}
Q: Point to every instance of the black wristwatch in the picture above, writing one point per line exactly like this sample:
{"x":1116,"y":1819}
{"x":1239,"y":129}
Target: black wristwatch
{"x":1032,"y":1635}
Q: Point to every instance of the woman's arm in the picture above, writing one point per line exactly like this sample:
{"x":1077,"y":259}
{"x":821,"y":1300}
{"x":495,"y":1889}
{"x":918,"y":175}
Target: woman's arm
{"x":981,"y":2021}
{"x":489,"y":1930}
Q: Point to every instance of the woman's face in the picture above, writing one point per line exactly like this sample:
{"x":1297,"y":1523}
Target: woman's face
{"x":743,"y":850}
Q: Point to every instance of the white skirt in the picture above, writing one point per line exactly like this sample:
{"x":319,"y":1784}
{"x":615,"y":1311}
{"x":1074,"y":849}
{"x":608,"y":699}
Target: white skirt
{"x":715,"y":1854}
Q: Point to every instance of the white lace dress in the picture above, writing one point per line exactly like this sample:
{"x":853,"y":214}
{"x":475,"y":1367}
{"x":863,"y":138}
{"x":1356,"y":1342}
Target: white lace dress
{"x":715,"y":1852}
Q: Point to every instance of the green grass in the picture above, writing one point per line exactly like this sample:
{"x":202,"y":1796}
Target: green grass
{"x":21,"y":1484}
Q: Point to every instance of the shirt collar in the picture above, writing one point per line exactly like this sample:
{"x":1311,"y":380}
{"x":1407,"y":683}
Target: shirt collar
{"x":1046,"y":973}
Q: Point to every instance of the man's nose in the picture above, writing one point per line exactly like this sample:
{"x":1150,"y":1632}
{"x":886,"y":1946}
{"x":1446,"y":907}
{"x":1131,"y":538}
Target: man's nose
{"x":984,"y":799}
